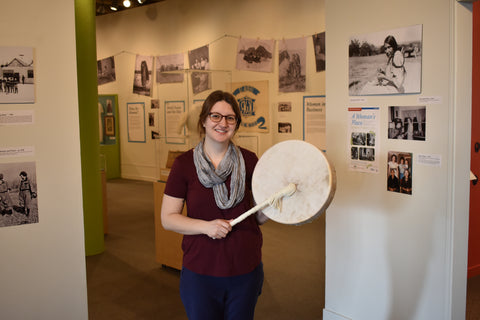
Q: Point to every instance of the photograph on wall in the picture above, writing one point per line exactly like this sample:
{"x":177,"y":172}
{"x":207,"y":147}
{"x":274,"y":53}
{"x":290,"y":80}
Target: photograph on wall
{"x":155,"y":104}
{"x":106,"y":70}
{"x":284,"y":127}
{"x":17,"y":81}
{"x":407,"y":123}
{"x":386,"y":62}
{"x":142,"y":81}
{"x":319,"y":47}
{"x":199,"y":59}
{"x":107,"y":109}
{"x":255,"y":55}
{"x":364,"y":125}
{"x":167,"y":68}
{"x":292,"y":65}
{"x":399,"y":172}
{"x":314,"y":121}
{"x":252,"y":99}
{"x":18,"y":194}
{"x":136,"y":122}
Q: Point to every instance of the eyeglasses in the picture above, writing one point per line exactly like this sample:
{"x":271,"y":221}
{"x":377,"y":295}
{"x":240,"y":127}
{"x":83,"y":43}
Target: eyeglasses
{"x":217,"y":117}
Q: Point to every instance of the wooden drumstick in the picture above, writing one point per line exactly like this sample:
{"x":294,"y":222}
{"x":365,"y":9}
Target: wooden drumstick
{"x":275,"y":201}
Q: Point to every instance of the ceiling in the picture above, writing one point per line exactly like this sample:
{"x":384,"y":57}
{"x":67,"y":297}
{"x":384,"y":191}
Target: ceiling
{"x":103,"y":6}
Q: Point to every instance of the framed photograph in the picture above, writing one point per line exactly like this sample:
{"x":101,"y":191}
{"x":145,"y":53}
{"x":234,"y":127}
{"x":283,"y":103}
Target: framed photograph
{"x":17,"y":81}
{"x":386,"y":62}
{"x":109,"y":125}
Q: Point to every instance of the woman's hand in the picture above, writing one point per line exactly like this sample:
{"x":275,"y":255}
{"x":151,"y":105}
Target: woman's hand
{"x":218,"y":229}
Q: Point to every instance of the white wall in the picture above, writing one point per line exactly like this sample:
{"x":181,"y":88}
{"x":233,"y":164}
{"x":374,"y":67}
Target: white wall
{"x":392,"y":256}
{"x":176,"y":26}
{"x":42,"y":269}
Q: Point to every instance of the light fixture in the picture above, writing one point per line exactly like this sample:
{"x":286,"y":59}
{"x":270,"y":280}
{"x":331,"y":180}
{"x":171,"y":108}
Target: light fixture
{"x":114,"y":6}
{"x":126,"y":3}
{"x":140,"y":1}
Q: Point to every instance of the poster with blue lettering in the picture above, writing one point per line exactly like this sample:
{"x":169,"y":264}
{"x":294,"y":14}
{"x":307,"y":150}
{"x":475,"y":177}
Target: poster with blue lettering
{"x":363,"y":128}
{"x":252,"y":98}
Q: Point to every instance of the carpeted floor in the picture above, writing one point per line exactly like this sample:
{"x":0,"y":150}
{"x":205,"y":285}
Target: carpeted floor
{"x":125,"y":283}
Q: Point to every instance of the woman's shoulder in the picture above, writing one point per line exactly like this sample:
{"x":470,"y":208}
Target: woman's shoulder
{"x":248,"y":153}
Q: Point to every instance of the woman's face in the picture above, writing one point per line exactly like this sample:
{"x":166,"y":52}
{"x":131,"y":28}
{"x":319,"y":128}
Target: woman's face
{"x":220,"y":131}
{"x":388,"y":49}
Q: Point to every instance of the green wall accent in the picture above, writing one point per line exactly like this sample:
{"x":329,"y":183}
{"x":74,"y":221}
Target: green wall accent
{"x":88,"y":114}
{"x":110,"y":149}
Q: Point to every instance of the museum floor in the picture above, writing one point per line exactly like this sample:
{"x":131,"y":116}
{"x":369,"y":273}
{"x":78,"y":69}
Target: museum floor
{"x":125,"y":283}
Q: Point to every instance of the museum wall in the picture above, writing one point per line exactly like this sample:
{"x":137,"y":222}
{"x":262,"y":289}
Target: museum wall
{"x":178,"y":26}
{"x":391,"y":255}
{"x":43,"y":262}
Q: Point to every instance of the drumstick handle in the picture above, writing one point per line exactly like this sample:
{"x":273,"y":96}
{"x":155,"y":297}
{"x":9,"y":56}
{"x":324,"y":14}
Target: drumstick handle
{"x":273,"y":200}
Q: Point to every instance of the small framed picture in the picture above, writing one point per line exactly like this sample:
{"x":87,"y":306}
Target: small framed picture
{"x":109,"y":125}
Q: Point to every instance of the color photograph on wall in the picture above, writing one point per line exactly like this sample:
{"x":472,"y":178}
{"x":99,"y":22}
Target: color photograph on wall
{"x":106,"y":119}
{"x":255,"y":55}
{"x":142,"y":81}
{"x":17,"y":81}
{"x":166,"y":66}
{"x":386,"y":62}
{"x":407,"y":123}
{"x":106,"y":70}
{"x":252,"y":99}
{"x":292,"y":65}
{"x":18,"y":194}
{"x":399,"y":172}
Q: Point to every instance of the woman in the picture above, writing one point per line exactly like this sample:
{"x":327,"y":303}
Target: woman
{"x":394,"y":72}
{"x":222,"y":273}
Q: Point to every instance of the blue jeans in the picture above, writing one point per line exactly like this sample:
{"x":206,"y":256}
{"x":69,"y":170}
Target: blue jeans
{"x":220,"y":298}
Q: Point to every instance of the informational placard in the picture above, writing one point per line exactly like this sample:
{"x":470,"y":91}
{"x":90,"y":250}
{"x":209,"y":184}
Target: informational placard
{"x":174,"y":132}
{"x":314,"y":121}
{"x":16,"y":117}
{"x":136,"y":121}
{"x":363,"y":126}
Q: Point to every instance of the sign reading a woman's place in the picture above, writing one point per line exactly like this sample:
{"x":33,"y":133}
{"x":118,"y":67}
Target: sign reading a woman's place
{"x":252,"y":99}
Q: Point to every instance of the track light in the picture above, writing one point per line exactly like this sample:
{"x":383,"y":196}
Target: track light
{"x":126,"y":3}
{"x":140,"y":1}
{"x":114,"y":6}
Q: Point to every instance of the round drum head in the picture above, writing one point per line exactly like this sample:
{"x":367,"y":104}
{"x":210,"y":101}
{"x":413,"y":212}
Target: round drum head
{"x":301,"y":163}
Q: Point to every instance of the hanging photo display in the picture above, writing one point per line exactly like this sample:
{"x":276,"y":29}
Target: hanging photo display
{"x":142,"y":81}
{"x":399,"y":172}
{"x":363,"y":129}
{"x":386,"y":62}
{"x":18,"y":194}
{"x":407,"y":123}
{"x":255,"y":55}
{"x":292,"y":65}
{"x":252,"y":99}
{"x":166,"y":66}
{"x":199,"y":59}
{"x":17,"y":75}
{"x":319,"y":47}
{"x":106,"y":70}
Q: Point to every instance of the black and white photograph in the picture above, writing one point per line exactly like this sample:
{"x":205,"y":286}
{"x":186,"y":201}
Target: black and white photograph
{"x":319,"y":47}
{"x":366,"y":154}
{"x":18,"y":194}
{"x":399,"y":172}
{"x":166,"y":68}
{"x":284,"y":127}
{"x":284,"y":107}
{"x":386,"y":63}
{"x":106,"y":70}
{"x":407,"y":123}
{"x":142,"y":82}
{"x":291,"y":65}
{"x":17,"y":81}
{"x":155,"y":104}
{"x":255,"y":54}
{"x":199,"y":59}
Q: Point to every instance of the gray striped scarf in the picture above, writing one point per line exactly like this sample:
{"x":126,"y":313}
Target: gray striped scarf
{"x":232,"y":163}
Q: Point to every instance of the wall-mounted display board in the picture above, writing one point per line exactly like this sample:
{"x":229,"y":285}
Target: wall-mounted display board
{"x":136,"y":122}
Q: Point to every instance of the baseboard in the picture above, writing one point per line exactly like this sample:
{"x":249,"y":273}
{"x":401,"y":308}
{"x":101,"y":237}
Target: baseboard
{"x":473,"y":271}
{"x":330,"y":315}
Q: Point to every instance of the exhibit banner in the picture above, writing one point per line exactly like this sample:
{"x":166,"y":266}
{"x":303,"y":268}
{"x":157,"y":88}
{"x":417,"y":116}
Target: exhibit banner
{"x":363,"y":126}
{"x":252,"y":99}
{"x":314,"y":121}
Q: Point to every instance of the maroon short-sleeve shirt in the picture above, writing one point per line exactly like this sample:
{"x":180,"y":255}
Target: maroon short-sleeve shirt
{"x":238,"y":253}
